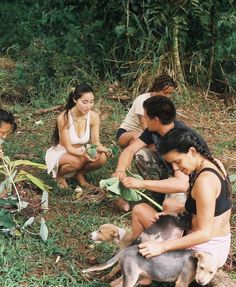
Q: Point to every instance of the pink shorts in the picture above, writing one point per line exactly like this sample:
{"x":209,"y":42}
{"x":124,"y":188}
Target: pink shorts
{"x":218,"y":246}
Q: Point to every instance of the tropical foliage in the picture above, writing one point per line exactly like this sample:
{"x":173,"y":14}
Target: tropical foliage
{"x":55,"y":43}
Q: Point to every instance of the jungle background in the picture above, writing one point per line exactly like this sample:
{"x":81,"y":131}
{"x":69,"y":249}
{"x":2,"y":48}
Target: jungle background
{"x":119,"y":47}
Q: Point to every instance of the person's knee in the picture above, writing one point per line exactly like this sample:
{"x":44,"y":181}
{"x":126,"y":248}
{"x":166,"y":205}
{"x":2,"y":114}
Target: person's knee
{"x":139,"y":209}
{"x":78,"y":164}
{"x":171,"y":204}
{"x":102,"y":159}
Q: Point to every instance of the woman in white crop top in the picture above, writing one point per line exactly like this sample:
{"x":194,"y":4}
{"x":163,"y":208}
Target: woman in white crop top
{"x":76,"y":126}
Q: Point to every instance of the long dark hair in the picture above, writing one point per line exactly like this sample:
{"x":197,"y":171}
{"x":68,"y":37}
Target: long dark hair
{"x":181,"y":140}
{"x":161,"y":82}
{"x":7,"y":117}
{"x":73,"y":96}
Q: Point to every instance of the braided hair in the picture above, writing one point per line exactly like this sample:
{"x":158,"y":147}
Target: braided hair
{"x":162,"y":82}
{"x":181,"y":140}
{"x":74,"y":95}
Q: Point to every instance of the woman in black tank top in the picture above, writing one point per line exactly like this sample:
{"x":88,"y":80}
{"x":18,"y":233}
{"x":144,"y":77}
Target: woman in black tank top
{"x":208,"y":198}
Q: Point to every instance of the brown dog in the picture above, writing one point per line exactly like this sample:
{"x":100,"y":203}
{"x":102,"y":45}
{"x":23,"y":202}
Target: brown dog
{"x":112,"y":233}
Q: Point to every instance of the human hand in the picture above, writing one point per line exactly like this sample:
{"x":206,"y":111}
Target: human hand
{"x":131,"y":182}
{"x":151,"y":248}
{"x":91,"y":159}
{"x":120,"y":174}
{"x":106,"y":150}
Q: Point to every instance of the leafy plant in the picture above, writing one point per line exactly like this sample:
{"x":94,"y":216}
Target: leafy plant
{"x":13,"y":176}
{"x":115,"y":186}
{"x":91,"y":150}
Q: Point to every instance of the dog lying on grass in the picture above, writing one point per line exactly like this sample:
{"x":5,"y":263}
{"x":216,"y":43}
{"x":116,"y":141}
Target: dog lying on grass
{"x":169,"y":226}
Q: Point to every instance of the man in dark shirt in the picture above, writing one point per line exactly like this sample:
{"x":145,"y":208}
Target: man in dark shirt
{"x":159,"y":176}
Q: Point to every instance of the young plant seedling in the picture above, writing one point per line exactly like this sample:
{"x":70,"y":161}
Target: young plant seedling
{"x":92,"y":151}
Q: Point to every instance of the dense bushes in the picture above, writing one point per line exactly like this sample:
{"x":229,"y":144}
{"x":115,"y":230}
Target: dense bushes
{"x":55,"y":43}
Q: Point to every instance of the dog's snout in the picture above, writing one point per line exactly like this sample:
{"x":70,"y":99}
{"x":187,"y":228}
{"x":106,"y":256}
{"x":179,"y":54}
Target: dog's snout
{"x":201,"y":282}
{"x":93,"y":235}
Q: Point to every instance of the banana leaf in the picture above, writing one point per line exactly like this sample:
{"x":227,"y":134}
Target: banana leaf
{"x":107,"y":182}
{"x":115,"y":186}
{"x":28,"y":163}
{"x":130,"y":194}
{"x":23,"y":175}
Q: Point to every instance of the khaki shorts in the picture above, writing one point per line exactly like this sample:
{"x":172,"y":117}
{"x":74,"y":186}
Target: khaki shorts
{"x":180,"y":197}
{"x":150,"y":167}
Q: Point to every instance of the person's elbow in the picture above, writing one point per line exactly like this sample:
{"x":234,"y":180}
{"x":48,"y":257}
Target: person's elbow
{"x":205,"y":235}
{"x":181,"y":185}
{"x":128,"y":152}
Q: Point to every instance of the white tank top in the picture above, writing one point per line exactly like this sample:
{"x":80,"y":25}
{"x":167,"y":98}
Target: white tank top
{"x":74,"y":135}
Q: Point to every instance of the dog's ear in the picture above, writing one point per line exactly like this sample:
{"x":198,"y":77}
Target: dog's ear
{"x":198,"y":255}
{"x":115,"y":234}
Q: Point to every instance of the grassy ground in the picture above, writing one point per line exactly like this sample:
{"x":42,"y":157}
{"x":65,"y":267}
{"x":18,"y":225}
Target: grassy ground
{"x":28,"y":261}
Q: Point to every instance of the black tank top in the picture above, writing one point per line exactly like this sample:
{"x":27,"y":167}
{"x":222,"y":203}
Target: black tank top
{"x":223,"y":201}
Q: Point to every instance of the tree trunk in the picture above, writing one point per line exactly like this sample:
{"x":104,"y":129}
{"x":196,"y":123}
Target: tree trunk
{"x":213,"y":40}
{"x":176,"y":57}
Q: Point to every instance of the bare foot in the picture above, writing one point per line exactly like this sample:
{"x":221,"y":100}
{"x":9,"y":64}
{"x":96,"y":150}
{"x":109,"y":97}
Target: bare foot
{"x":145,"y":282}
{"x":61,"y":182}
{"x":81,"y":179}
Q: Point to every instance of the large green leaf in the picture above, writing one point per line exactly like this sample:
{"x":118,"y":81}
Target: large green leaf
{"x":8,"y":202}
{"x":29,"y":163}
{"x":107,"y":182}
{"x":115,"y":187}
{"x":6,"y":219}
{"x":129,"y":194}
{"x":23,"y":175}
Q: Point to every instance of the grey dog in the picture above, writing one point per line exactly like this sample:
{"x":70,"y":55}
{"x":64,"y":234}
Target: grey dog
{"x":169,"y":226}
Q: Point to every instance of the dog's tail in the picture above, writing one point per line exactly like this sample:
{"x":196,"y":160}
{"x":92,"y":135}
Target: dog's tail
{"x":106,"y":265}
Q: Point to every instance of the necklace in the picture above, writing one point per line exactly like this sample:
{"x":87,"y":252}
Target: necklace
{"x":79,"y":121}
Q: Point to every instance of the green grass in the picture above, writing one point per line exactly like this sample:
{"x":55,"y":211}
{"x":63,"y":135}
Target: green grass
{"x":28,"y":261}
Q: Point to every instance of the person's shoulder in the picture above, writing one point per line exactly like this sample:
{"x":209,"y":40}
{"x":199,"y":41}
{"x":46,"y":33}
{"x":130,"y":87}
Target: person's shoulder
{"x":178,"y":124}
{"x":61,"y":117}
{"x":94,"y":116}
{"x":142,"y":97}
{"x":146,"y":136}
{"x":62,"y":120}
